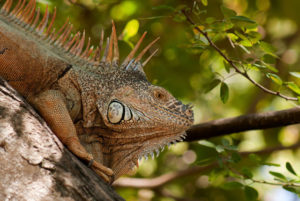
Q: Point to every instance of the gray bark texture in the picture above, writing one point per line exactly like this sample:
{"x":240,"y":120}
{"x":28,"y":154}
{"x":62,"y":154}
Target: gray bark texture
{"x":34,"y":165}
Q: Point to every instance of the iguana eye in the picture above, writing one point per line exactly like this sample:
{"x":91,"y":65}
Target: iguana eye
{"x":115,"y":112}
{"x":160,"y":95}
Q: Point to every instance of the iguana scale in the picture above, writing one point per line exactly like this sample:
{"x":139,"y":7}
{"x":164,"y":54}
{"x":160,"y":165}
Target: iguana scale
{"x":104,"y":112}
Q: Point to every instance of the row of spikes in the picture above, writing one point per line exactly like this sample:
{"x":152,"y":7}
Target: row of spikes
{"x":73,"y":44}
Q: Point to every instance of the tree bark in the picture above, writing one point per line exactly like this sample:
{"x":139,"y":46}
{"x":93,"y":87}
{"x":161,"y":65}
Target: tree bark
{"x":34,"y":165}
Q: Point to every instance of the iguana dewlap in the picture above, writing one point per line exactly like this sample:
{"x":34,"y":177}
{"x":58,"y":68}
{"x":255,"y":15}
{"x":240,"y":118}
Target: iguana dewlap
{"x":105,"y":113}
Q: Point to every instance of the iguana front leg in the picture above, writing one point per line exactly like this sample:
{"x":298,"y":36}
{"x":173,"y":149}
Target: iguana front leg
{"x":53,"y":109}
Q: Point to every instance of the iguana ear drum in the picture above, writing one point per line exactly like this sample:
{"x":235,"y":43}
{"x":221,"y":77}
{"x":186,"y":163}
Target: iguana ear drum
{"x":116,"y":112}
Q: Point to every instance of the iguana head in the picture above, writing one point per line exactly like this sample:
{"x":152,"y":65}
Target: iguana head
{"x":139,"y":118}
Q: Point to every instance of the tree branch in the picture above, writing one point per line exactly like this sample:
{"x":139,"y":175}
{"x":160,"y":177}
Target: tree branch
{"x":231,"y":62}
{"x":34,"y":163}
{"x":243,"y":123}
{"x":154,"y":183}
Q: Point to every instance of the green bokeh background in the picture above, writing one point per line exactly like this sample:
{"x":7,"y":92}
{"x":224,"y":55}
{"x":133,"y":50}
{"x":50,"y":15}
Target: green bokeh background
{"x":186,"y":72}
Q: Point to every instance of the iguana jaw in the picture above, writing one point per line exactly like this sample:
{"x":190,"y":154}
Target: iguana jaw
{"x":147,"y":148}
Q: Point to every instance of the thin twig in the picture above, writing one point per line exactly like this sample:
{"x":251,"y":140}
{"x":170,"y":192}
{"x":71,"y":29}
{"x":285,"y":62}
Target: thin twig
{"x":244,"y":74}
{"x":159,"y":181}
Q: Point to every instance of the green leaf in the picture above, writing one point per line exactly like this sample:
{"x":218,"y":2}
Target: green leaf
{"x":220,"y":148}
{"x":295,"y":74}
{"x":292,"y":86}
{"x":227,"y":66}
{"x":290,"y":168}
{"x":227,"y":12}
{"x":225,"y":142}
{"x":236,"y":157}
{"x":246,"y":43}
{"x":278,"y":175}
{"x":255,"y":158}
{"x":274,"y":78}
{"x":272,"y":68}
{"x":210,"y":20}
{"x":244,"y":48}
{"x":207,"y":144}
{"x":267,"y":48}
{"x":212,"y":85}
{"x":242,"y":18}
{"x":251,"y":193}
{"x":289,"y":188}
{"x":224,"y":92}
{"x":254,"y":37}
{"x":232,"y":37}
{"x":131,"y":29}
{"x":242,"y":21}
{"x":269,"y":59}
{"x":271,"y":164}
{"x":204,"y":2}
{"x":179,"y":17}
{"x":221,"y":26}
{"x":259,"y":65}
{"x":247,"y":173}
{"x":232,"y":185}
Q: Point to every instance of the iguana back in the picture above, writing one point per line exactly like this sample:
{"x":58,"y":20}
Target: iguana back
{"x":35,"y":67}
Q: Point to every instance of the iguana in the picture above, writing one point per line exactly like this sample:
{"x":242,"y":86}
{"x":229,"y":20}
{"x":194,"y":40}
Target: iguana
{"x":104,"y":112}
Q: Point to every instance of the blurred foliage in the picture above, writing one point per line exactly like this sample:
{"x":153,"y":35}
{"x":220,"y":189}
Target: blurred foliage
{"x":262,"y":37}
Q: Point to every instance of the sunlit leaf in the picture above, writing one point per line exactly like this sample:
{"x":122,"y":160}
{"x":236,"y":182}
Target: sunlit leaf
{"x":259,"y":65}
{"x":274,"y":78}
{"x":130,"y":29}
{"x":220,"y":148}
{"x":244,"y":48}
{"x":124,"y":10}
{"x":207,"y":144}
{"x":232,"y":37}
{"x":221,"y":26}
{"x":246,"y":43}
{"x":227,"y":12}
{"x":272,"y":68}
{"x":292,"y":86}
{"x":251,"y":193}
{"x":224,"y":92}
{"x":204,"y":2}
{"x":254,"y":36}
{"x":290,"y":168}
{"x":295,"y":74}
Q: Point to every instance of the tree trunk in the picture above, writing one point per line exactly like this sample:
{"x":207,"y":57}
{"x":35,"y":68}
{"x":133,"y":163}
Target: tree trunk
{"x":34,"y":165}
